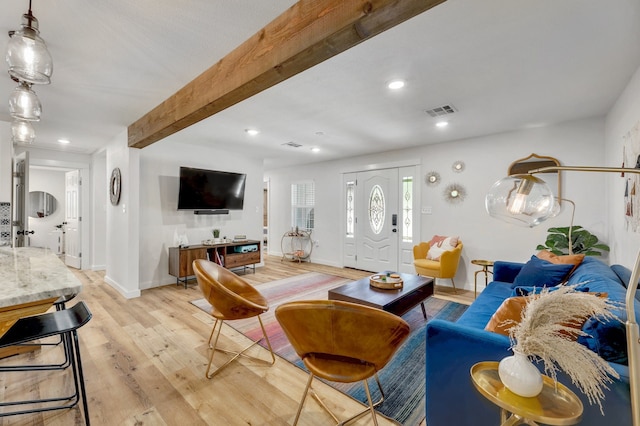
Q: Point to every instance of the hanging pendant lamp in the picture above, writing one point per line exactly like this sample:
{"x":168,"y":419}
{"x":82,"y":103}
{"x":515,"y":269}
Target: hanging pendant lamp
{"x":22,"y":132}
{"x":27,"y":54}
{"x":24,"y":104}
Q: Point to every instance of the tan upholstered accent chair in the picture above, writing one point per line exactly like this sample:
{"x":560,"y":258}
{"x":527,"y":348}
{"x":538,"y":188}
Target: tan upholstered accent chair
{"x":341,"y":342}
{"x":445,"y":267}
{"x":231,"y":298}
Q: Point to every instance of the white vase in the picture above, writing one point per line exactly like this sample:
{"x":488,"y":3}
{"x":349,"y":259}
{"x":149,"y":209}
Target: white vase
{"x":519,"y":375}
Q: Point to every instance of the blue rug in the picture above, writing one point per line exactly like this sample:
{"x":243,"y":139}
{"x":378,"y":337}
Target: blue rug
{"x":403,"y":379}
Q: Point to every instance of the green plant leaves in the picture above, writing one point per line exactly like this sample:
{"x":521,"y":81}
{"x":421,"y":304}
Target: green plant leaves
{"x":582,"y":240}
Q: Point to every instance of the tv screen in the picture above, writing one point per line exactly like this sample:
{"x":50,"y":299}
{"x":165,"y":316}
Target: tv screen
{"x":210,"y":190}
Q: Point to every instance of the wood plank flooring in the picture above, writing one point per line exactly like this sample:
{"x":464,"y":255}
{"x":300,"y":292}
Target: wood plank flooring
{"x":144,"y":361}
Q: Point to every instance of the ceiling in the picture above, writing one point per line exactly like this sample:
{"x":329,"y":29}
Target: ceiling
{"x":502,"y":64}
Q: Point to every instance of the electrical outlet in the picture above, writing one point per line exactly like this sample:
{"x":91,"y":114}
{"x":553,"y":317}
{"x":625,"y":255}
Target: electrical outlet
{"x":427,"y":210}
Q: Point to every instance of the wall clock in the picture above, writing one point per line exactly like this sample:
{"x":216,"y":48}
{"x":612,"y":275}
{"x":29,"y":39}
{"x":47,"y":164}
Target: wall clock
{"x":114,"y":187}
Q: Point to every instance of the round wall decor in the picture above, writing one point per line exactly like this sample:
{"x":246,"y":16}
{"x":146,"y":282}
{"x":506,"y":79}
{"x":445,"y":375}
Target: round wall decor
{"x":114,"y":187}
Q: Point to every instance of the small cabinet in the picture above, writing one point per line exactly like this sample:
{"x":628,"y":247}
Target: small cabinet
{"x":230,"y":255}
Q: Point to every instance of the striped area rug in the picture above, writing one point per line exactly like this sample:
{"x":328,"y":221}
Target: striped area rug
{"x":403,"y":378}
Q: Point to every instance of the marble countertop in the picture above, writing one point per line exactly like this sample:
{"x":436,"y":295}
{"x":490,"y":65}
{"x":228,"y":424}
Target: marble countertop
{"x":29,"y":274}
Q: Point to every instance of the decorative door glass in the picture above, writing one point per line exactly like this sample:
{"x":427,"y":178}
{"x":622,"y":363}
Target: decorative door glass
{"x":376,"y":209}
{"x":351,"y":212}
{"x":407,"y":209}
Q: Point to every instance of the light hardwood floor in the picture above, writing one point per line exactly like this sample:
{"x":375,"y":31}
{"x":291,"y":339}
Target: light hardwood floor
{"x":144,"y":361}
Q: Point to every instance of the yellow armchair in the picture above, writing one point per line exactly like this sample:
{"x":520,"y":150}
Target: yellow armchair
{"x":446,"y":267}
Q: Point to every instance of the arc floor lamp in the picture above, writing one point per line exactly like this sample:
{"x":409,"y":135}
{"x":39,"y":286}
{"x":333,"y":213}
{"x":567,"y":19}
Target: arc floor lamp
{"x":526,"y":200}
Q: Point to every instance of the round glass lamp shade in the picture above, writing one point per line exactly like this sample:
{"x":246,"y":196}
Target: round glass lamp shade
{"x":522,"y":200}
{"x":22,"y":131}
{"x":27,"y":54}
{"x":24,"y":104}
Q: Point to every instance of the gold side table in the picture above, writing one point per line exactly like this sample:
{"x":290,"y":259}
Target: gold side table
{"x":556,"y":405}
{"x":486,"y":264}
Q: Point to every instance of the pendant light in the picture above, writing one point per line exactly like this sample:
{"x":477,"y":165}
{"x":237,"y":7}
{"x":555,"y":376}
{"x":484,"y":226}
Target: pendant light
{"x":22,"y":132}
{"x":24,"y":104}
{"x":27,"y":54}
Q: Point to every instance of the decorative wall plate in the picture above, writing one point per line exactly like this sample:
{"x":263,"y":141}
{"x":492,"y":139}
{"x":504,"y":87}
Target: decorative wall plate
{"x":432,"y":178}
{"x":114,"y":187}
{"x":458,"y":166}
{"x":454,"y":193}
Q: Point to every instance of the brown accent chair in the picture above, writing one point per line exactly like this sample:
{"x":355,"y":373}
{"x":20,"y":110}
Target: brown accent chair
{"x":446,"y":267}
{"x":231,"y":298}
{"x":341,"y":342}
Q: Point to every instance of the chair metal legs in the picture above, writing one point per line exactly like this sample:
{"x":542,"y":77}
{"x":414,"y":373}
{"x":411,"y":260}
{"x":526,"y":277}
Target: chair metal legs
{"x":209,"y":374}
{"x":370,"y":408}
{"x":455,"y":290}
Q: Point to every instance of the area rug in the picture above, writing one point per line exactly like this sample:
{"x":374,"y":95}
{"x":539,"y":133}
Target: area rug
{"x":403,"y":379}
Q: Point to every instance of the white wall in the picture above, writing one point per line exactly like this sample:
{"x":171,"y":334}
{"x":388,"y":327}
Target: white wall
{"x":160,"y":220}
{"x":122,"y":242}
{"x":52,"y":182}
{"x":622,"y":117}
{"x":100,"y":199}
{"x":486,"y":159}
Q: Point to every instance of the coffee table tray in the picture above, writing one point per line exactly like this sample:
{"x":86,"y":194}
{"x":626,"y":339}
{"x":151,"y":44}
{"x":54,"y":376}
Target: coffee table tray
{"x":391,"y":282}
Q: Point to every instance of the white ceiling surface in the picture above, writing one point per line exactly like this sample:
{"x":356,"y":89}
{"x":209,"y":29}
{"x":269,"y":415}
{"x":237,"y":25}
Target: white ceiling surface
{"x":503,"y":64}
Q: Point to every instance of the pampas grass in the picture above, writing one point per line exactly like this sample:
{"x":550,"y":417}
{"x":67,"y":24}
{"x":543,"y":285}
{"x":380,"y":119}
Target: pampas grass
{"x":548,"y":330}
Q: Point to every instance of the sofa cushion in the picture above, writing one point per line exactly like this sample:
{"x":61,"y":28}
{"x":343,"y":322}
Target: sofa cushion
{"x":542,"y":273}
{"x":479,"y":313}
{"x":624,"y":274}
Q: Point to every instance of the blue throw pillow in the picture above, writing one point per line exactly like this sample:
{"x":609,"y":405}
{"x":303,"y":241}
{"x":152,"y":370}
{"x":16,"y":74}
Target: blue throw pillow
{"x":541,"y":273}
{"x":607,"y":338}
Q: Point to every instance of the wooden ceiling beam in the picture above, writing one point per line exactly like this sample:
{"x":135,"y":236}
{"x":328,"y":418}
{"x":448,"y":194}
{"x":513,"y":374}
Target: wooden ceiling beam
{"x":305,"y":35}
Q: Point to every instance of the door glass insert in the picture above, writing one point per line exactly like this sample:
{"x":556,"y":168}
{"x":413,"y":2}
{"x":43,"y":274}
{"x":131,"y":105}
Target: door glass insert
{"x":376,"y":209}
{"x":407,"y":209}
{"x":350,"y":203}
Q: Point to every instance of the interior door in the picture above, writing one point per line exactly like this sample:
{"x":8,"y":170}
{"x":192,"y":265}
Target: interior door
{"x":377,"y":220}
{"x":72,"y":220}
{"x":20,"y":215}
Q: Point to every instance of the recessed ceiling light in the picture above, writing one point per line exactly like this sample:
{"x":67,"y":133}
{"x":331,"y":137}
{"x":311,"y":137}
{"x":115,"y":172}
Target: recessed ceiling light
{"x":65,"y":141}
{"x":396,"y":84}
{"x":315,"y":149}
{"x":252,"y":132}
{"x":442,"y":124}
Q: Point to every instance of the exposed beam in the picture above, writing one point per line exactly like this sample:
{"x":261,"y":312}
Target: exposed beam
{"x":305,"y":35}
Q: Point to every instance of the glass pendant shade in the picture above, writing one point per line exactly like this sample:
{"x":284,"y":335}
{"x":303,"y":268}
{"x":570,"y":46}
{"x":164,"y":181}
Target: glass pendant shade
{"x":27,"y":54}
{"x":24,"y":104}
{"x":522,"y":200}
{"x":22,"y":131}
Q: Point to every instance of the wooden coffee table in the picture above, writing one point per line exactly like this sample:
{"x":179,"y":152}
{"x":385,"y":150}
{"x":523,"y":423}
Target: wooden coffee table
{"x":397,"y":301}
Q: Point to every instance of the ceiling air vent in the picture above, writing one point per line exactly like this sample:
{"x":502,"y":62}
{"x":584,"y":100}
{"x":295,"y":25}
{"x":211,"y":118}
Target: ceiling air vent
{"x":441,"y":110}
{"x":292,"y":144}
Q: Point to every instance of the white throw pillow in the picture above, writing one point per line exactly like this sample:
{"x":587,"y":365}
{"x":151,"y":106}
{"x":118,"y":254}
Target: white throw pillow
{"x":439,"y":245}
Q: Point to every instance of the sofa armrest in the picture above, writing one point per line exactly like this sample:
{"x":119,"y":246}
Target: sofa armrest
{"x":451,"y":351}
{"x":451,"y":398}
{"x":506,"y":272}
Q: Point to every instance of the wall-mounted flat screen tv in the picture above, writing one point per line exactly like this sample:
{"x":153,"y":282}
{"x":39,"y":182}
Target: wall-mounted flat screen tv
{"x":210,"y":190}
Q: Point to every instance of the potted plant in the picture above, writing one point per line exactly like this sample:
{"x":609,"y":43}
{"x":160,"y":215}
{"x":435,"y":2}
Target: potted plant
{"x":583,"y":241}
{"x":216,"y":235}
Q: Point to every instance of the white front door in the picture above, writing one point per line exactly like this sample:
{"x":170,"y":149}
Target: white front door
{"x":380,"y":220}
{"x":72,"y":220}
{"x":377,"y":220}
{"x":21,"y":200}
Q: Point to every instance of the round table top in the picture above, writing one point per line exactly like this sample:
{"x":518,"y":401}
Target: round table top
{"x":555,"y":405}
{"x":482,"y":262}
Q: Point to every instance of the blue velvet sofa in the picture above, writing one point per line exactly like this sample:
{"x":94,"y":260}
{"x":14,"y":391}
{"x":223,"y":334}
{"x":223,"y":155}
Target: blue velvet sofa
{"x":452,"y":348}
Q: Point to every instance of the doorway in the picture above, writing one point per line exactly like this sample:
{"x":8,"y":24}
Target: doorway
{"x":380,"y":219}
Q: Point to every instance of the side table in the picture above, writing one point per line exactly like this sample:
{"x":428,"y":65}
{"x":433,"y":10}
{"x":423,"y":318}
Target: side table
{"x":486,"y":264}
{"x":556,"y":404}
